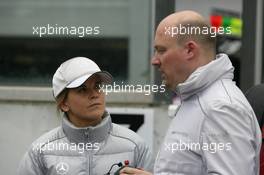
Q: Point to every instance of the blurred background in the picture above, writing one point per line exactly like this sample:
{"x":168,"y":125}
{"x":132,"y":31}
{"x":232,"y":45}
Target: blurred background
{"x":123,"y":47}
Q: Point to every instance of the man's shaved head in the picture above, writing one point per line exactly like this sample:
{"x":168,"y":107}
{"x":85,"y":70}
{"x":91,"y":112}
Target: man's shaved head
{"x":182,"y":16}
{"x":194,"y":23}
{"x":178,"y":54}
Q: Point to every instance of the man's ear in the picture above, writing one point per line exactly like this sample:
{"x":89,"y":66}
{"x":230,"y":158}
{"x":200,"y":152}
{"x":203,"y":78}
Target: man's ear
{"x":64,"y":106}
{"x":190,"y":49}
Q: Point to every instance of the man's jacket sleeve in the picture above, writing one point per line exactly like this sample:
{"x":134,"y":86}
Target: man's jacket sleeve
{"x":231,"y":141}
{"x":144,"y":157}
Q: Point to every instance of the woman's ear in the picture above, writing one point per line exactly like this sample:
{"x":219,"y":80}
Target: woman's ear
{"x":64,"y":106}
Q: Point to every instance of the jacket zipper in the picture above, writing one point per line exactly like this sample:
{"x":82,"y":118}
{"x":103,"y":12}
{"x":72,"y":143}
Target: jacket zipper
{"x":87,"y":134}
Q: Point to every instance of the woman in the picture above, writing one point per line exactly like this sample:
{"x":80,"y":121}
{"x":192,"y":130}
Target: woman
{"x":87,"y":142}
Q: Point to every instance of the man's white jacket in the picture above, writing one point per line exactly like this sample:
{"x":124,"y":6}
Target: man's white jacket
{"x":214,"y":130}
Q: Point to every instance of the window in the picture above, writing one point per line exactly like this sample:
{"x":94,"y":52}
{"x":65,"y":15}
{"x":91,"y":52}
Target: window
{"x":32,"y":62}
{"x":122,"y":46}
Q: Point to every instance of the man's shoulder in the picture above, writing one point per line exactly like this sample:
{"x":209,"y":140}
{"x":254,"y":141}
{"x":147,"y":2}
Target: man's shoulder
{"x":223,"y":93}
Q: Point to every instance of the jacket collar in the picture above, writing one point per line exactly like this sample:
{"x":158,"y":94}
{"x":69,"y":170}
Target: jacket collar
{"x":90,"y":134}
{"x":220,"y":68}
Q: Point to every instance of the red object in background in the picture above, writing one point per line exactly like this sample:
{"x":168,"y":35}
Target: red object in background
{"x":216,"y":20}
{"x":126,"y":162}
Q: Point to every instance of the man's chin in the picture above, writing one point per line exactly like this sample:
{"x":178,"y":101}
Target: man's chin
{"x":168,"y":85}
{"x":164,"y":82}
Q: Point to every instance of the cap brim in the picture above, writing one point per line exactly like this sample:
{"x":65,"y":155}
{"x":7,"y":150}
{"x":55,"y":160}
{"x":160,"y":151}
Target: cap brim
{"x":104,"y":76}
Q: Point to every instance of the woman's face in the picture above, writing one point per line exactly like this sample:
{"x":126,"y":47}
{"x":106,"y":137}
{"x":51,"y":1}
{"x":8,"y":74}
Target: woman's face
{"x":85,"y":105}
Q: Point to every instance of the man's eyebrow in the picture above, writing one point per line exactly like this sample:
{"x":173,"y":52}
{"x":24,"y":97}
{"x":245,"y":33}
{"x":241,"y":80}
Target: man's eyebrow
{"x":159,"y":47}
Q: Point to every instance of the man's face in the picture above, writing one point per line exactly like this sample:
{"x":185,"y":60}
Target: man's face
{"x":169,"y":59}
{"x":86,"y":104}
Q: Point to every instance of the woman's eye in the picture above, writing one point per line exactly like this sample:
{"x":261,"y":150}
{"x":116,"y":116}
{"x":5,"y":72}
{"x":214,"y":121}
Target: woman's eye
{"x":81,"y":89}
{"x":98,"y":85}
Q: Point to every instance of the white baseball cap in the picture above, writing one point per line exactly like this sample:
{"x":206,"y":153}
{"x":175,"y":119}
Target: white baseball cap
{"x":74,"y":72}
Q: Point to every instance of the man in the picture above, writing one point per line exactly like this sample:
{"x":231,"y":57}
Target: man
{"x":214,"y":130}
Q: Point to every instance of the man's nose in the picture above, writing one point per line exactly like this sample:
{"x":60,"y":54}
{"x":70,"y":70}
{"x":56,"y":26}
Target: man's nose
{"x":155,"y":61}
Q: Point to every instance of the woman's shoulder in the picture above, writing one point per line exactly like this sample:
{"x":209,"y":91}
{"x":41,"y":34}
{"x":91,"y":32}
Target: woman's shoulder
{"x":127,"y":134}
{"x":48,"y":137}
